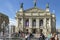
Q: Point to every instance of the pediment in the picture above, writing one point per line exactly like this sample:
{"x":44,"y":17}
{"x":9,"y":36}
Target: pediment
{"x":34,"y":10}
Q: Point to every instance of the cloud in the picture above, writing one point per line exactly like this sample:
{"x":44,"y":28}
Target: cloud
{"x":12,"y":21}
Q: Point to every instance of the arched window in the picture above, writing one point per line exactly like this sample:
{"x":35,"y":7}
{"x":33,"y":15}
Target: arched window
{"x":34,"y":22}
{"x":27,"y":22}
{"x":41,"y":23}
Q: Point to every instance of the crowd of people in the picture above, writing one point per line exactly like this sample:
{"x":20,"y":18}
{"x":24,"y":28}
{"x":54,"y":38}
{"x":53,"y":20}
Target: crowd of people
{"x":53,"y":36}
{"x":28,"y":36}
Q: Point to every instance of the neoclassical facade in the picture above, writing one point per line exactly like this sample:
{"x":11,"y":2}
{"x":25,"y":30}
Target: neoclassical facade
{"x":34,"y":19}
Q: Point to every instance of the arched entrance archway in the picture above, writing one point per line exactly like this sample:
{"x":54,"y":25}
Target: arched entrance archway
{"x":34,"y":30}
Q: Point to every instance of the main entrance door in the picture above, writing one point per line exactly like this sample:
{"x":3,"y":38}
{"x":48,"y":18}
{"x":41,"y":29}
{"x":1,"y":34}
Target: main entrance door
{"x":34,"y":31}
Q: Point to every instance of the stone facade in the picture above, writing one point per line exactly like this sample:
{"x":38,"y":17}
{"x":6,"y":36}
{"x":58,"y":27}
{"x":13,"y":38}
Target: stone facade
{"x":3,"y":18}
{"x":4,"y":21}
{"x":36,"y":19}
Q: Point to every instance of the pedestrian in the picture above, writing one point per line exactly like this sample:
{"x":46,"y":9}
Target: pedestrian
{"x":42,"y":37}
{"x":27,"y":36}
{"x":54,"y":37}
{"x":49,"y":36}
{"x":31,"y":35}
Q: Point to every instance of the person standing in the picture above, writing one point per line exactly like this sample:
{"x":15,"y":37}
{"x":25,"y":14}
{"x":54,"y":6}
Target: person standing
{"x":55,"y":37}
{"x":49,"y":36}
{"x":27,"y":36}
{"x":42,"y":37}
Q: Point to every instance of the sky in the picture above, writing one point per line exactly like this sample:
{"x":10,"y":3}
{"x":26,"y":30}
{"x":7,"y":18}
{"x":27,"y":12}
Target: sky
{"x":10,"y":7}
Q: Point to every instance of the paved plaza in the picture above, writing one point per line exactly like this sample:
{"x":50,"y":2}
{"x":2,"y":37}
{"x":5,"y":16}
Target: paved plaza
{"x":23,"y":38}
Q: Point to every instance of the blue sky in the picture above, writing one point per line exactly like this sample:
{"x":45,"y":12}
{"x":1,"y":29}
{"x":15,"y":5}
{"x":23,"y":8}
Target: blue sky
{"x":9,"y":7}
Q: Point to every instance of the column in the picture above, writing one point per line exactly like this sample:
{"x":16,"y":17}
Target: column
{"x":21,"y":24}
{"x":30,"y":22}
{"x":54,"y":24}
{"x":49,"y":24}
{"x":16,"y":28}
{"x":37,"y":25}
{"x":44,"y":23}
{"x":37,"y":22}
{"x":45,"y":27}
{"x":17,"y":22}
